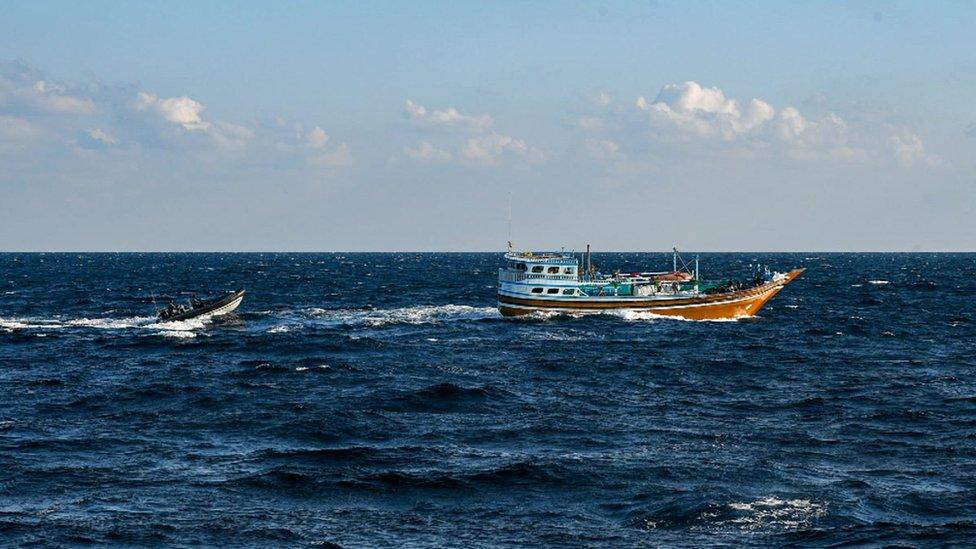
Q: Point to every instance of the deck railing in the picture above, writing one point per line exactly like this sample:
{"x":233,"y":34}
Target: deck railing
{"x":508,"y":276}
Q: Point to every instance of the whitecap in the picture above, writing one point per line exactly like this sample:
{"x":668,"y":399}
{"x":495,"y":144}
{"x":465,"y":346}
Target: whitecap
{"x":879,"y":282}
{"x":180,"y":334}
{"x":181,"y":325}
{"x":776,"y":514}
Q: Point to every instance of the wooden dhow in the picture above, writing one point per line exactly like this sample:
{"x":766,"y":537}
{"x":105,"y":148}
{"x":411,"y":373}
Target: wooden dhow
{"x":564,"y":283}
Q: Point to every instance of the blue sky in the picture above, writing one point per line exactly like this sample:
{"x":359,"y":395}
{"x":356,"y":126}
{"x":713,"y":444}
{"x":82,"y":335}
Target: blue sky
{"x":407,"y":125}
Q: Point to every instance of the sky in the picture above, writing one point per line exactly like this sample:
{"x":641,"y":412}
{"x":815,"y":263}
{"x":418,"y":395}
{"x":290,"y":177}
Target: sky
{"x":418,"y":126}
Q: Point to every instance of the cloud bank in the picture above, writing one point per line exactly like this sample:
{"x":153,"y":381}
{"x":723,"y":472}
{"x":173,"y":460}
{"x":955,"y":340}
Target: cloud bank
{"x":472,"y":138}
{"x":690,"y":118}
{"x":687,"y":118}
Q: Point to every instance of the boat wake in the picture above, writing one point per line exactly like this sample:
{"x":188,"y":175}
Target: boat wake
{"x":426,"y":314}
{"x":289,"y":321}
{"x":183,"y":328}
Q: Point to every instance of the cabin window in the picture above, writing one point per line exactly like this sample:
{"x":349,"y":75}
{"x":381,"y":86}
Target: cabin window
{"x":553,"y":270}
{"x":569,"y":291}
{"x":520,"y":266}
{"x":537,"y":290}
{"x":552,"y":291}
{"x":537,"y":269}
{"x":568,"y":270}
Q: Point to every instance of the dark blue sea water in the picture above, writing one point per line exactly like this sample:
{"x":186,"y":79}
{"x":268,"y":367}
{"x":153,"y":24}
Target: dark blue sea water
{"x":380,"y":400}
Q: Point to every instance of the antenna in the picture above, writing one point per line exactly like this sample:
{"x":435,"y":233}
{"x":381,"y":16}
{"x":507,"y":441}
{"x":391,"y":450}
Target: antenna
{"x":509,"y":220}
{"x":589,"y":263}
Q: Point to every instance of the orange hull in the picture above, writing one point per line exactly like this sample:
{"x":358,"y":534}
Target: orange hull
{"x":729,"y":305}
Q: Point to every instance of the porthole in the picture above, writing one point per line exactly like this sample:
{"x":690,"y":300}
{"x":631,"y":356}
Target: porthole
{"x":552,"y":291}
{"x":537,"y":290}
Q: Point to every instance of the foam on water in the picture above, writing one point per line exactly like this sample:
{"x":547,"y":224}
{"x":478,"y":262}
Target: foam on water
{"x":424,"y":314}
{"x":635,"y":315}
{"x":772,"y":513}
{"x":126,"y":323}
{"x":424,"y":419}
{"x":110,"y":323}
{"x":57,"y":323}
{"x":178,"y":334}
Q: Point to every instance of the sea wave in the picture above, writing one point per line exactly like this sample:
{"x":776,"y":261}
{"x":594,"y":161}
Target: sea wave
{"x":180,"y":334}
{"x":772,"y":513}
{"x":765,"y":515}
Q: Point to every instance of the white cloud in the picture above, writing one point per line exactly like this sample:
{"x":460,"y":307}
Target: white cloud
{"x":340,"y":156}
{"x":790,"y":125}
{"x":691,"y":96}
{"x":25,"y":90}
{"x":692,"y":109}
{"x":488,"y":148}
{"x":425,"y":151}
{"x":230,"y":136}
{"x":55,"y":99}
{"x":317,"y":138}
{"x":757,"y":113}
{"x":603,"y":99}
{"x":449,"y":117}
{"x":102,"y":136}
{"x":187,"y":113}
{"x":178,"y":110}
{"x":690,"y":113}
{"x":16,"y":129}
{"x":591,"y":123}
{"x":603,"y":149}
{"x":479,"y":143}
{"x":828,"y":134}
{"x":910,"y":151}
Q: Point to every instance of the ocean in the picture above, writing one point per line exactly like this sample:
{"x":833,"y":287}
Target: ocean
{"x":380,"y":400}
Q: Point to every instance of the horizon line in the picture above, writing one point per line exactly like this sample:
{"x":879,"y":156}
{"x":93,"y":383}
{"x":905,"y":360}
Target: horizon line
{"x":477,"y":251}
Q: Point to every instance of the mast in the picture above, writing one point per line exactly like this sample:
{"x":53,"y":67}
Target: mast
{"x":589,"y":265}
{"x":674,"y":259}
{"x":509,"y":221}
